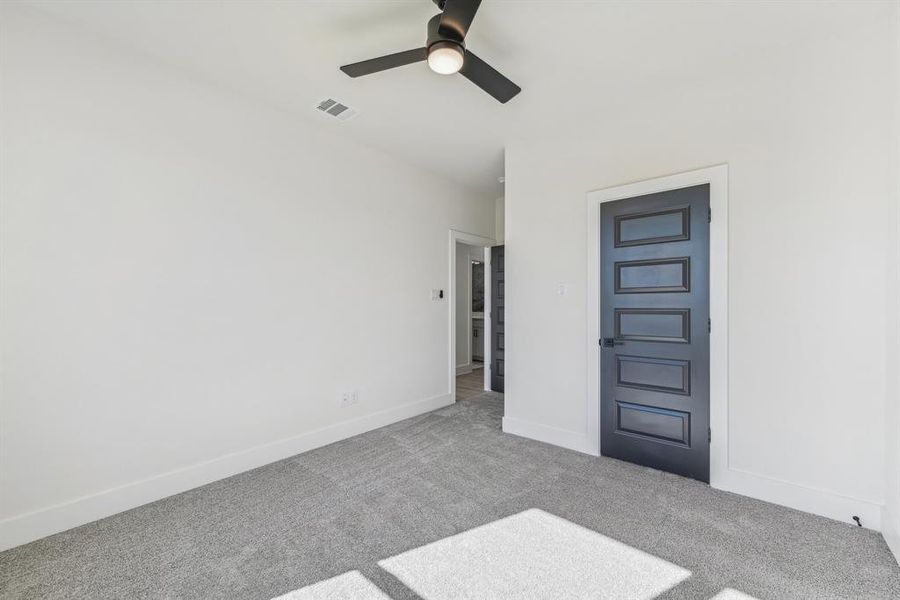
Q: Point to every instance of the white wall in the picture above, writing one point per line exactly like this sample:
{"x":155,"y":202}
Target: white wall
{"x":499,"y":219}
{"x":891,"y":524}
{"x":891,"y":515}
{"x":813,"y":173}
{"x":188,"y":281}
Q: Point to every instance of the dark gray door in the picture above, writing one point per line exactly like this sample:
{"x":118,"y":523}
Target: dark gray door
{"x":497,"y":317}
{"x":654,"y":322}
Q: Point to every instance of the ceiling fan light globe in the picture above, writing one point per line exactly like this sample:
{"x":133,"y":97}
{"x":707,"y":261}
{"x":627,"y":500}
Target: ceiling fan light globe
{"x":445,"y":58}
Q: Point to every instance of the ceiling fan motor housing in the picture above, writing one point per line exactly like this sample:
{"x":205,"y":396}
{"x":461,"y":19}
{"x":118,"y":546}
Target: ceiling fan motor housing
{"x":446,"y":36}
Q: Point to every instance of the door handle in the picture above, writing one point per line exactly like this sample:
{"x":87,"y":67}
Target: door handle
{"x":610,"y":342}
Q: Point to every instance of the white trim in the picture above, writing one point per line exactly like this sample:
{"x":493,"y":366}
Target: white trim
{"x":890,"y":529}
{"x":717,"y":178}
{"x":464,"y":369}
{"x":817,"y":501}
{"x":472,"y":240}
{"x":573,"y":440}
{"x":54,"y":519}
{"x":469,"y":312}
{"x":486,"y":354}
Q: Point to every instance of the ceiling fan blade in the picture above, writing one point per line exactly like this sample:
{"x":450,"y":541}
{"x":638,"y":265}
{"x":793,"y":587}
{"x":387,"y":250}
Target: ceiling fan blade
{"x":383,"y":63}
{"x":488,"y":78}
{"x":457,"y":17}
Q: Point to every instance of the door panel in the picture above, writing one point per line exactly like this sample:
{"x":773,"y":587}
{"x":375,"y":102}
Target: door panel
{"x":653,"y":227}
{"x":654,"y":374}
{"x":653,"y":276}
{"x":657,"y":424}
{"x":654,"y":273}
{"x":653,"y":325}
{"x":498,"y":318}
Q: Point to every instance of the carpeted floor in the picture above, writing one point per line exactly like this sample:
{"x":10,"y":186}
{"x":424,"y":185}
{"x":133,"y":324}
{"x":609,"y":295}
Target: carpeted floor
{"x":339,"y":511}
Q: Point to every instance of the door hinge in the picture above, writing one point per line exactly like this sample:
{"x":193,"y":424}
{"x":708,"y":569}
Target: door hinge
{"x":709,"y":215}
{"x":709,"y":435}
{"x":709,"y":326}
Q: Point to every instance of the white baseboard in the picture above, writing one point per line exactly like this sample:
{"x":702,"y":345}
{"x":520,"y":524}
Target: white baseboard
{"x":890,"y":529}
{"x":31,"y":526}
{"x":812,"y":500}
{"x":464,"y":369}
{"x":572,"y":440}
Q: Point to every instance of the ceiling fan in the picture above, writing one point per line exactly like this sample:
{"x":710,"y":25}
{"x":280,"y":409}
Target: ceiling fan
{"x":446,"y":52}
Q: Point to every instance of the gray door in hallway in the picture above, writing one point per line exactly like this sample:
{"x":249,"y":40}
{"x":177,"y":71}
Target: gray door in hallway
{"x":654,"y":322}
{"x":497,"y":316}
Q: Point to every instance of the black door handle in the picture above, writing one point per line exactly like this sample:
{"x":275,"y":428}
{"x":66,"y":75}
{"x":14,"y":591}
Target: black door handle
{"x":610,"y":342}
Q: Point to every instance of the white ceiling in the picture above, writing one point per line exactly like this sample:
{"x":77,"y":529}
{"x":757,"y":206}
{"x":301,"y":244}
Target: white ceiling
{"x":580,"y":64}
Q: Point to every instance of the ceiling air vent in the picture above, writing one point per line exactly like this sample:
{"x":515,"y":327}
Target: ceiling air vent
{"x":339,"y":111}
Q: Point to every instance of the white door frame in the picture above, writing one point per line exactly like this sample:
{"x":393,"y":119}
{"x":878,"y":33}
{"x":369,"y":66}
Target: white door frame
{"x":486,"y":341}
{"x":472,"y":240}
{"x":717,"y":178}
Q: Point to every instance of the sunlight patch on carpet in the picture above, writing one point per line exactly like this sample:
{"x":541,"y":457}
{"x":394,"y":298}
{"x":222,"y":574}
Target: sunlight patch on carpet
{"x":351,"y":584}
{"x":533,"y":554}
{"x":732,"y":594}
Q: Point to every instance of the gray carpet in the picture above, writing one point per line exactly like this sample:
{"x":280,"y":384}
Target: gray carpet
{"x":347,"y":506}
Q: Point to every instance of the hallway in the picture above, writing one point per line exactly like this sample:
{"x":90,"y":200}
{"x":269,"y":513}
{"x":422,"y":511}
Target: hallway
{"x":470,"y":384}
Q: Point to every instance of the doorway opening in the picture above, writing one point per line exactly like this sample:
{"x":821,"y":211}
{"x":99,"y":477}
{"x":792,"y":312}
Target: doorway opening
{"x":470,"y":315}
{"x":469,"y":300}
